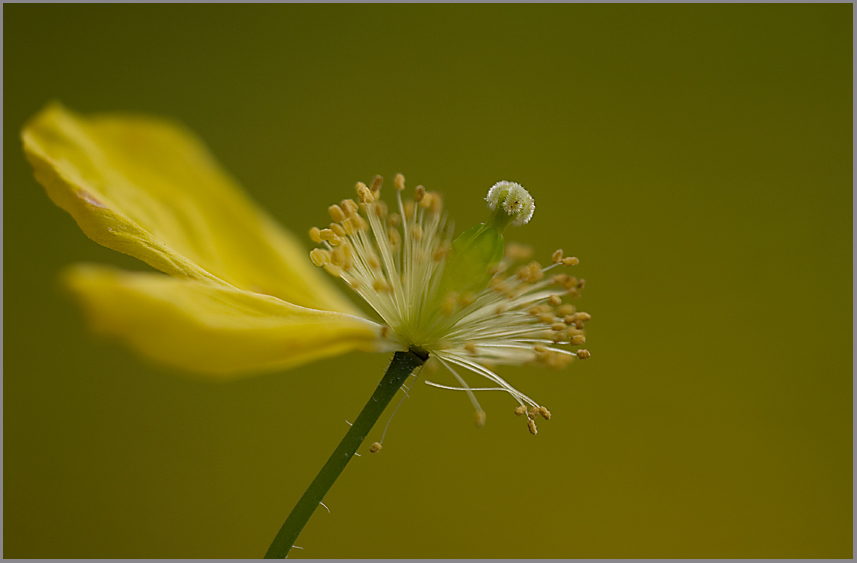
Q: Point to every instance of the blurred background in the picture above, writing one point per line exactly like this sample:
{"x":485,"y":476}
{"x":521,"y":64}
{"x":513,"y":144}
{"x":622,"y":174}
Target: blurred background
{"x":698,"y":161}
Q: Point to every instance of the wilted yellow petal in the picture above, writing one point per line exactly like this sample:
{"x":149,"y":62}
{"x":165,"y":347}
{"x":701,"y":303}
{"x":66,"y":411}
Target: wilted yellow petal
{"x":211,"y":328}
{"x":149,"y":188}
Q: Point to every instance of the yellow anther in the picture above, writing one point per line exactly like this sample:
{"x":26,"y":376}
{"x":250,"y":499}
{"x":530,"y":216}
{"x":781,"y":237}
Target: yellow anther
{"x":520,"y":410}
{"x":578,"y":339}
{"x":373,"y":262}
{"x":336,"y":213}
{"x":583,"y":354}
{"x":556,"y":257}
{"x":399,"y":182}
{"x":319,"y":256}
{"x":375,"y":448}
{"x":364,"y":194}
{"x":385,"y":331}
{"x":540,"y":349}
{"x":333,"y":270}
{"x":419,"y":193}
{"x":515,"y":251}
{"x":441,"y":252}
{"x":480,"y":418}
{"x":426,"y":201}
{"x":470,"y":347}
{"x":565,"y":309}
{"x":556,"y":327}
{"x":349,"y":207}
{"x":450,"y":302}
{"x":546,"y":414}
{"x":570,"y":261}
{"x":380,"y":284}
{"x":531,"y":426}
{"x":376,"y":185}
{"x":409,"y":210}
{"x":416,"y":232}
{"x":554,"y":299}
{"x":341,"y":257}
{"x":395,"y":238}
{"x":546,"y":318}
{"x":380,"y":209}
{"x":394,"y":220}
{"x":315,"y":235}
{"x":327,"y":235}
{"x":436,"y":203}
{"x":337,"y":229}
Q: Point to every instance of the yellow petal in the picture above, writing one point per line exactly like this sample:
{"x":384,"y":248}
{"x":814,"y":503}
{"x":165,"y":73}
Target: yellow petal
{"x":149,"y":188}
{"x":212,"y":328}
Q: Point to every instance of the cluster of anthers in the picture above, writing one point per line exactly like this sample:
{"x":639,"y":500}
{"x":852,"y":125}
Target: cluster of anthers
{"x":401,"y":263}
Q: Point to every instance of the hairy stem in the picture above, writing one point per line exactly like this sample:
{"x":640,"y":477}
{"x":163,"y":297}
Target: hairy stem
{"x":403,"y":364}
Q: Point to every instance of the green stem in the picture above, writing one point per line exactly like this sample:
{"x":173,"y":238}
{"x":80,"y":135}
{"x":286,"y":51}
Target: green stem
{"x":403,"y":364}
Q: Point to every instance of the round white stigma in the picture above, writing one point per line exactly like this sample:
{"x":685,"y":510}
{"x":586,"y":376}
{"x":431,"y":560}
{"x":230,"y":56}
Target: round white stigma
{"x":514,"y":200}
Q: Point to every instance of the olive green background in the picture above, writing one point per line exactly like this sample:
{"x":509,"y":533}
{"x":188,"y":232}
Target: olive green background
{"x":696,"y":158}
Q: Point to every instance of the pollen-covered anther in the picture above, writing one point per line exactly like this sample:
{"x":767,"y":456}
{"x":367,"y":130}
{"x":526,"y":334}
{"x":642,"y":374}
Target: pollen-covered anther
{"x":375,"y":447}
{"x":333,"y":270}
{"x":341,"y":256}
{"x":450,"y":303}
{"x":426,"y":201}
{"x":440,"y":252}
{"x":419,"y":194}
{"x":395,"y":239}
{"x":565,"y":309}
{"x":377,"y":181}
{"x":349,"y":207}
{"x":520,"y":410}
{"x":570,"y":261}
{"x":531,"y":426}
{"x":583,"y":354}
{"x":554,"y":299}
{"x":380,"y":209}
{"x":399,"y":182}
{"x":547,"y":318}
{"x":577,"y":339}
{"x":531,"y":273}
{"x":319,"y":256}
{"x":479,"y":418}
{"x":336,"y":213}
{"x":556,"y":257}
{"x":327,"y":235}
{"x":546,"y":414}
{"x":436,"y":203}
{"x":557,"y":327}
{"x":380,"y":284}
{"x":364,"y":194}
{"x":515,"y":251}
